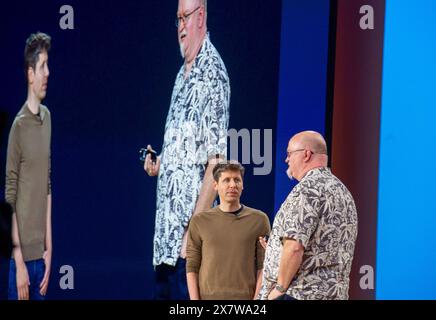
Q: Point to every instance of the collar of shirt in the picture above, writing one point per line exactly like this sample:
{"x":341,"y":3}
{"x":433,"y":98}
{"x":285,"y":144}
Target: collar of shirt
{"x":315,"y":171}
{"x":25,"y":111}
{"x":231,"y":214}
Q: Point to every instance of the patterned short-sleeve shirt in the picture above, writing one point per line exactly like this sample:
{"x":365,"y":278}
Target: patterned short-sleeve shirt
{"x":321,"y":214}
{"x":195,"y":130}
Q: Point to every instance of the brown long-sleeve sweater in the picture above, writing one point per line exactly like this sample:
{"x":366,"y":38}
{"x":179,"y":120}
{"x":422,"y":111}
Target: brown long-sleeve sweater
{"x":223,"y":248}
{"x":28,"y":178}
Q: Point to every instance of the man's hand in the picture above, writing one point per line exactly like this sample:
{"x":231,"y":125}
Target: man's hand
{"x":184,"y":244}
{"x":44,"y":283}
{"x":290,"y":262}
{"x":263,"y":242}
{"x":152,"y":168}
{"x":274,"y":294}
{"x":23,"y":282}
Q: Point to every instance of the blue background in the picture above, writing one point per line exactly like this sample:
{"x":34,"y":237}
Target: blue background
{"x":406,"y":238}
{"x":303,"y":83}
{"x":109,"y":91}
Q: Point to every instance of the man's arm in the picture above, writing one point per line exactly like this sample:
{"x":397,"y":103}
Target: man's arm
{"x":48,"y":249}
{"x":258,"y":283}
{"x":216,"y":140}
{"x":194,"y":291}
{"x":48,"y":236}
{"x":260,"y":254}
{"x":207,"y":192}
{"x":290,"y":262}
{"x":193,"y":260}
{"x":22,"y":276}
{"x":205,"y":199}
{"x":13,"y":159}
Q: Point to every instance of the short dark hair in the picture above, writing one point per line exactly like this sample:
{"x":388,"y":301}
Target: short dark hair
{"x":231,"y":165}
{"x":35,"y":44}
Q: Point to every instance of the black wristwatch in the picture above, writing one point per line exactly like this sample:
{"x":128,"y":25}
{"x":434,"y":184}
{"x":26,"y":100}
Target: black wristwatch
{"x":280,"y":289}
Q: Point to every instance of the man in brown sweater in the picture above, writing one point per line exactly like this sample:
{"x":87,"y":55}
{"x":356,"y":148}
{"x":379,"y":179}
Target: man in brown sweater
{"x":224,"y":257}
{"x":28,"y":187}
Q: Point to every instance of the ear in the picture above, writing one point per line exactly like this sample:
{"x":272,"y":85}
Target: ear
{"x":30,"y":75}
{"x":215,"y":185}
{"x":201,"y":17}
{"x":307,"y":155}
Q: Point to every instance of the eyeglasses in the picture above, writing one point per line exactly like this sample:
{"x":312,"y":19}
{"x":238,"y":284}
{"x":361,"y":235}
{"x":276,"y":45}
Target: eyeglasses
{"x":185,"y":17}
{"x":289,"y":153}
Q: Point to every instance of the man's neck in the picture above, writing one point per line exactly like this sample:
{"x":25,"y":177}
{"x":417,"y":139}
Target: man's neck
{"x":312,"y":167}
{"x":230,"y":206}
{"x":189,"y":64}
{"x":33,"y":103}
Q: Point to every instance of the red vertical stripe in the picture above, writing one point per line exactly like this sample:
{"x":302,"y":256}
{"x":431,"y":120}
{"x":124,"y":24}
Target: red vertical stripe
{"x":356,"y":123}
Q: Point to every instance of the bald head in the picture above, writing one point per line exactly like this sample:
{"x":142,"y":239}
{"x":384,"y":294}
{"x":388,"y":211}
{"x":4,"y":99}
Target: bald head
{"x":310,"y":140}
{"x":307,"y":150}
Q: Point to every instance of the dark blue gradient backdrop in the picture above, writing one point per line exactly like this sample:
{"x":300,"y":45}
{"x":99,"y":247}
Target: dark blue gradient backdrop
{"x":109,"y":91}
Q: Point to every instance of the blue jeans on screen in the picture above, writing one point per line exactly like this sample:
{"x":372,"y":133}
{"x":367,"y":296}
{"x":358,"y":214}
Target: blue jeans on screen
{"x":35,"y":269}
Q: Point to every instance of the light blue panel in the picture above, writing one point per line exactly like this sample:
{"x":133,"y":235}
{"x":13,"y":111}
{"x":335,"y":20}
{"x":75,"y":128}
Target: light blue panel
{"x":406,"y":243}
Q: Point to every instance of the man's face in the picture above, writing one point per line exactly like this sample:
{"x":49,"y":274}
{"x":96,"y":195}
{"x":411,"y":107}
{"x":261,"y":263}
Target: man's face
{"x":293,"y":159}
{"x":229,"y":186}
{"x":38,"y":78}
{"x":188,"y":29}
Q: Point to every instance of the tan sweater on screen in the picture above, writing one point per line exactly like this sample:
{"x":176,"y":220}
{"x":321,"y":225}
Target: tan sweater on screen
{"x":28,"y":178}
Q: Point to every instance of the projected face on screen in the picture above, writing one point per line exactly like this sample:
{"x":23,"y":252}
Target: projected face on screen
{"x":38,"y":78}
{"x":190,"y":23}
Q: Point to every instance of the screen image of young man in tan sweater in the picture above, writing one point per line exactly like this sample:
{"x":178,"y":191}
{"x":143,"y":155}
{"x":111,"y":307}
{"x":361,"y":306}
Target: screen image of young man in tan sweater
{"x":28,"y":183}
